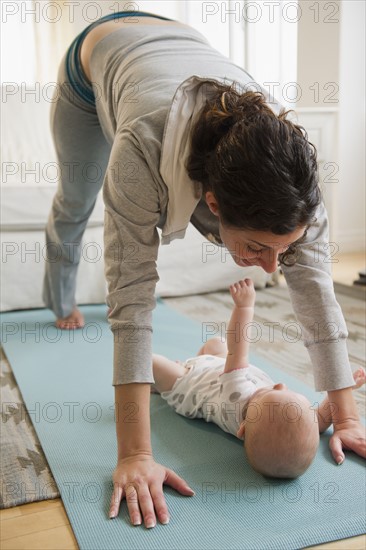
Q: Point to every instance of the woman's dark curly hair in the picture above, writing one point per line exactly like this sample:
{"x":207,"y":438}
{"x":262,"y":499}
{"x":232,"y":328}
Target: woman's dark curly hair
{"x":260,"y":166}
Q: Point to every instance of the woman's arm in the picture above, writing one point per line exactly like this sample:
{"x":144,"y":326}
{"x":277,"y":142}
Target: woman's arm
{"x":323,"y":328}
{"x":349,"y":433}
{"x":324,"y":331}
{"x":137,"y":477}
{"x":324,"y":414}
{"x":328,"y":411}
{"x":131,"y":242}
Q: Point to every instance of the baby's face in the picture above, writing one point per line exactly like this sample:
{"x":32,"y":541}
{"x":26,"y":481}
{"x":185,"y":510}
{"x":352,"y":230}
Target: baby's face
{"x":258,"y":402}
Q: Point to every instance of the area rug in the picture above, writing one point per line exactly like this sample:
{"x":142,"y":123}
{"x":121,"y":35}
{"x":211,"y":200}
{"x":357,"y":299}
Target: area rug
{"x":25,"y":474}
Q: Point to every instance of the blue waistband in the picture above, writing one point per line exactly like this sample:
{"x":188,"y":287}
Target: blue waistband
{"x":75,"y":73}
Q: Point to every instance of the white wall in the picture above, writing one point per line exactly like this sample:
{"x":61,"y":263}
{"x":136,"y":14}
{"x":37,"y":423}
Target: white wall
{"x":318,"y":84}
{"x":351,"y":189}
{"x":331,"y":74}
{"x":318,"y":53}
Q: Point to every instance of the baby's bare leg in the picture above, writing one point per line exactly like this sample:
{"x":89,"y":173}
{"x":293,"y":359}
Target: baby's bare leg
{"x":359,"y":377}
{"x":214,"y":346}
{"x":166,"y":372}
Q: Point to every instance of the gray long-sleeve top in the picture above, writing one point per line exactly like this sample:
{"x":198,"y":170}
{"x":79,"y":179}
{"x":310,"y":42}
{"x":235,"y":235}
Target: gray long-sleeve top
{"x":136,"y":72}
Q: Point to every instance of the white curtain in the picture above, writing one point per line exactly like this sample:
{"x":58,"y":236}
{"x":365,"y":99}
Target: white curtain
{"x":53,"y":32}
{"x":256,"y":35}
{"x":18,"y":48}
{"x":34,"y":36}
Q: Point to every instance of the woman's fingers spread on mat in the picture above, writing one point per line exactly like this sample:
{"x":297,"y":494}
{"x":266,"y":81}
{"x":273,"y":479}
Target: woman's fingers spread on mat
{"x":335,"y":445}
{"x":143,"y":498}
{"x":115,"y":501}
{"x":160,"y":506}
{"x":142,"y":480}
{"x":173,"y":480}
{"x":132,"y":499}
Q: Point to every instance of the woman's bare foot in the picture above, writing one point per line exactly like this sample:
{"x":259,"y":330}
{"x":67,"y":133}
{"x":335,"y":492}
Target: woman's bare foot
{"x":359,"y":377}
{"x":72,"y":321}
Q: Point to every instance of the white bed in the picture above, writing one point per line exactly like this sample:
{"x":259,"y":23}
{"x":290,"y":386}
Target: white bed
{"x":28,"y":184}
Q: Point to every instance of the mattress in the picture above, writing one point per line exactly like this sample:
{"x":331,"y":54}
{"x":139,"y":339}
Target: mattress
{"x":29,"y":164}
{"x":185,"y":267}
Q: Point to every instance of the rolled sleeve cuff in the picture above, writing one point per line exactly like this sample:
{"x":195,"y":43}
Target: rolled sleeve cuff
{"x":332,"y":369}
{"x":132,"y":361}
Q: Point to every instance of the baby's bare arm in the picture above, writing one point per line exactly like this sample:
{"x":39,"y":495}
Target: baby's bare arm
{"x":238,"y":333}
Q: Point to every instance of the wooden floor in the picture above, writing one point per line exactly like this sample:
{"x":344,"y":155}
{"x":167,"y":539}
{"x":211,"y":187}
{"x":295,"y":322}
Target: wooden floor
{"x":45,"y":525}
{"x":346,"y":269}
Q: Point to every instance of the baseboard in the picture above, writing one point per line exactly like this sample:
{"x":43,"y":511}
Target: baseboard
{"x":355,"y":291}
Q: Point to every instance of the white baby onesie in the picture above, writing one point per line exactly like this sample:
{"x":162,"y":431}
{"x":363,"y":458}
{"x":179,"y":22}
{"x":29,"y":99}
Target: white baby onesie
{"x":205,"y":391}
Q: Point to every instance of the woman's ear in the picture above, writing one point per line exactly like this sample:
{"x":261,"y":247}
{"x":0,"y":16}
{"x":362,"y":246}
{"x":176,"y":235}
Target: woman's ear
{"x":212,"y":203}
{"x":241,"y":430}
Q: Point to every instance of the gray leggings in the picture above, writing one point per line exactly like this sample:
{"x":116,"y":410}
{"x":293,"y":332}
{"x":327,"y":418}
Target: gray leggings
{"x":79,"y":141}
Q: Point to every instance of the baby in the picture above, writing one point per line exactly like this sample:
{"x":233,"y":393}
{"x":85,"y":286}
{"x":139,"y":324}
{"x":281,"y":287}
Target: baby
{"x":281,"y":427}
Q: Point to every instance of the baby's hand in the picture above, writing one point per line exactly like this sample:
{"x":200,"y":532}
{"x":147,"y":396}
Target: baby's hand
{"x":243,"y":293}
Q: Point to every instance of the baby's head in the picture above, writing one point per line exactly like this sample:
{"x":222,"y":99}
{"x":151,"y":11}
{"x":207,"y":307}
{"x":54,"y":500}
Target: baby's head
{"x":281,"y":432}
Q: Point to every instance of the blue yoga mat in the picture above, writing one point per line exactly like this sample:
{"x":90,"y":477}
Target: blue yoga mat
{"x":65,"y":379}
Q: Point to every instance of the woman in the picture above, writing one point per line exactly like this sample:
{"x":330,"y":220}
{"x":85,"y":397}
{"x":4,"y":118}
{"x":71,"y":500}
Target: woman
{"x":154,"y":108}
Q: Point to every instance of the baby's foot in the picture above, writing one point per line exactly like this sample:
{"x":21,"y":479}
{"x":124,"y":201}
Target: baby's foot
{"x":359,"y":377}
{"x":72,"y":321}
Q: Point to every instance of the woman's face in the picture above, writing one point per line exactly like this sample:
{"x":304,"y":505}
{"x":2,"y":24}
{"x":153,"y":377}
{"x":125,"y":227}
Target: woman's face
{"x":249,"y":248}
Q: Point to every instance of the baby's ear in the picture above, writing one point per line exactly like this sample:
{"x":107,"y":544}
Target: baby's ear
{"x":241,"y":430}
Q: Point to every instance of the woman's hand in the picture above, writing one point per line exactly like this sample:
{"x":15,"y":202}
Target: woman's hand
{"x":139,"y":479}
{"x":349,"y":433}
{"x":349,"y":436}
